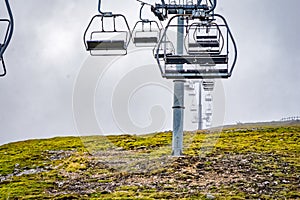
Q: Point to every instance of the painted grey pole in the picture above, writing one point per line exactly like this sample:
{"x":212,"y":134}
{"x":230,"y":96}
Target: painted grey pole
{"x":178,"y":108}
{"x":200,"y":119}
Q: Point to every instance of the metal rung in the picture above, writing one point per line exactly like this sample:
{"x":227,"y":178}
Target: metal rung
{"x":199,"y":59}
{"x":199,"y":37}
{"x":205,"y":43}
{"x":195,"y":71}
{"x":145,"y":40}
{"x":106,"y":45}
{"x":205,"y":52}
{"x":195,"y":76}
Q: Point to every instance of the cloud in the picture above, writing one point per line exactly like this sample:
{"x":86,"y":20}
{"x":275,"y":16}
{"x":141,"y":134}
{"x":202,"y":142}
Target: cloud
{"x":47,"y":52}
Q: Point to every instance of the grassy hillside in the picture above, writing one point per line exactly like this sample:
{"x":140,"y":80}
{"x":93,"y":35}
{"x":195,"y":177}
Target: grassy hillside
{"x":249,"y":161}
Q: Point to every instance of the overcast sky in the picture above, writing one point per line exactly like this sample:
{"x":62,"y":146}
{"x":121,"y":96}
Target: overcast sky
{"x":46,"y":56}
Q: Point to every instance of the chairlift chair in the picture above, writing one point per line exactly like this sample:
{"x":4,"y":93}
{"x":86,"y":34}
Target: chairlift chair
{"x":208,"y":124}
{"x":107,"y":42}
{"x":208,"y":112}
{"x":207,"y":58}
{"x":208,"y":85}
{"x":193,"y":106}
{"x":204,"y":38}
{"x":7,"y":35}
{"x":2,"y":43}
{"x":208,"y":98}
{"x":146,"y":33}
{"x":195,"y":119}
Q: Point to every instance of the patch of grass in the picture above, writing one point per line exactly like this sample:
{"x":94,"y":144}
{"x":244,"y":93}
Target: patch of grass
{"x":31,"y":153}
{"x":282,"y":141}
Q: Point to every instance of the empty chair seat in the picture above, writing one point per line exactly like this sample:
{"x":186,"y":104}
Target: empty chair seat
{"x":106,"y":45}
{"x":145,"y":40}
{"x":205,"y":43}
{"x":197,"y":59}
{"x":201,"y":37}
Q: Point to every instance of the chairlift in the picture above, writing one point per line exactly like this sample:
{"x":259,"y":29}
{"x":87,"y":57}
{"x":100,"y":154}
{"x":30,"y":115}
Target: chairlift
{"x":6,"y":23}
{"x":206,"y":58}
{"x":146,"y":37}
{"x":208,"y":98}
{"x":204,"y":38}
{"x":193,"y":106}
{"x":208,"y":112}
{"x":195,"y":119}
{"x":112,"y":41}
{"x":5,"y":40}
{"x":146,"y":33}
{"x":208,"y":124}
{"x":208,"y":85}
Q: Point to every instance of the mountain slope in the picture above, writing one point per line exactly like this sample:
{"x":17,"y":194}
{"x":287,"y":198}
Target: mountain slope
{"x":248,"y":161}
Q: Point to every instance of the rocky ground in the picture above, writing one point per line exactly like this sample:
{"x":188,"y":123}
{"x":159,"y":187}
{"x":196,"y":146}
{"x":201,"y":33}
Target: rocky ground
{"x":245,"y":175}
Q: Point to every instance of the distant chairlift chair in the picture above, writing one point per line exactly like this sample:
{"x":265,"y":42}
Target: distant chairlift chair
{"x":7,"y":26}
{"x":146,"y":33}
{"x":208,"y":85}
{"x":146,"y":36}
{"x":112,"y":42}
{"x":206,"y":56}
{"x":208,"y":98}
{"x":204,"y":38}
{"x":2,"y":43}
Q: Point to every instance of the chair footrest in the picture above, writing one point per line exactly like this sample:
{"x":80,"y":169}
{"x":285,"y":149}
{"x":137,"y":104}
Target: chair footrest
{"x":195,"y":71}
{"x":197,"y":59}
{"x":105,"y":45}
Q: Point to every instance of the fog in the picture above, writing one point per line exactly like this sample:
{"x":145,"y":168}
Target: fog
{"x":46,"y":59}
